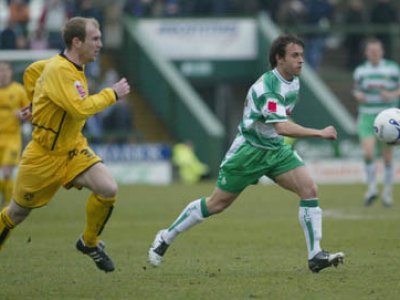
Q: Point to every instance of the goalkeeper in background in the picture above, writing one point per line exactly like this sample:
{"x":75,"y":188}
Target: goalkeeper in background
{"x":12,"y":100}
{"x":58,"y":154}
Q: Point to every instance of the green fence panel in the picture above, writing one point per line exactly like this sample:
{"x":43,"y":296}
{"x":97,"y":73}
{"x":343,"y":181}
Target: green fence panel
{"x":171,"y":96}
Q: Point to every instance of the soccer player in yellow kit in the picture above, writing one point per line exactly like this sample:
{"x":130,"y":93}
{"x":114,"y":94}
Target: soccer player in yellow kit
{"x":12,"y":99}
{"x":58,"y":154}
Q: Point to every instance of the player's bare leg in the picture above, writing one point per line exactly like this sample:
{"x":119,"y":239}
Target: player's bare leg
{"x":310,"y":216}
{"x":11,"y":216}
{"x":194,"y":213}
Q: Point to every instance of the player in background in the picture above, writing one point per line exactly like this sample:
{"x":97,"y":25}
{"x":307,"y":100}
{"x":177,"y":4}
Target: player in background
{"x":12,"y":100}
{"x":259,"y":150}
{"x":376,"y":87}
{"x":58,"y":154}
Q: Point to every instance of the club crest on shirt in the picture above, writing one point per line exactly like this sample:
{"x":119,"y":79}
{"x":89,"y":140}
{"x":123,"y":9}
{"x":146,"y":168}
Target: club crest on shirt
{"x":81,"y":90}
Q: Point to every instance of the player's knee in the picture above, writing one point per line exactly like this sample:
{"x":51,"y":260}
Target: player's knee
{"x":16,"y":213}
{"x":310,"y":191}
{"x":216,"y":206}
{"x":313,"y":190}
{"x":216,"y":209}
{"x":109,"y":190}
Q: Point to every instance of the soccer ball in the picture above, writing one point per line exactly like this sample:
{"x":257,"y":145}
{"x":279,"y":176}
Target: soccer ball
{"x":387,"y":125}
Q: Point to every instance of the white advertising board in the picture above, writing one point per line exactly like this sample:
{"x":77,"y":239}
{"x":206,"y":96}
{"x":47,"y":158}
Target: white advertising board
{"x":214,"y":39}
{"x":341,"y":171}
{"x":138,"y":164}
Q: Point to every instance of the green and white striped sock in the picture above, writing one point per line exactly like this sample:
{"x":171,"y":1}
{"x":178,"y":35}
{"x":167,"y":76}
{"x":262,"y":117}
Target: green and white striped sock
{"x":310,"y":217}
{"x":194,"y":213}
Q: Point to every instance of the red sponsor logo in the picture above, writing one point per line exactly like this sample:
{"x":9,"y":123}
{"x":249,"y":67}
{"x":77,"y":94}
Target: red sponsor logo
{"x":81,"y":90}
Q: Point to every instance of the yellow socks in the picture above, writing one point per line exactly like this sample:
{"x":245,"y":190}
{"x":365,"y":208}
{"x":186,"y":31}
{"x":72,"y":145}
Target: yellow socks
{"x":1,"y":193}
{"x":6,"y":224}
{"x":98,"y":211}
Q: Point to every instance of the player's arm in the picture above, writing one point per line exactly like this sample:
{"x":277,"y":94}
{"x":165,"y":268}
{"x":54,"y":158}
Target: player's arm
{"x":65,"y":89}
{"x":359,"y":96}
{"x":357,"y":92}
{"x":25,"y":113}
{"x":291,"y":129}
{"x":390,"y":95}
{"x":272,"y":108}
{"x":31,"y":75}
{"x":393,"y":94}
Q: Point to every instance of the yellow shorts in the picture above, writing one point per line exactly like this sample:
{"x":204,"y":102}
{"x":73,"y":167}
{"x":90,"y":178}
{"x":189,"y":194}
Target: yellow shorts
{"x":10,"y":149}
{"x":41,"y":173}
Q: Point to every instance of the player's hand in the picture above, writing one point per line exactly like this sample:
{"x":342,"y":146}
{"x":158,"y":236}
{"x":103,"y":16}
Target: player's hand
{"x":360,"y":97}
{"x":122,"y":88}
{"x":25,"y":114}
{"x":329,"y":133}
{"x":389,"y":95}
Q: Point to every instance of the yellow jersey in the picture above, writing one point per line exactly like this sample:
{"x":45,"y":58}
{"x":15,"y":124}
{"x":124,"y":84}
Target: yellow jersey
{"x":62,"y":104}
{"x":12,"y":99}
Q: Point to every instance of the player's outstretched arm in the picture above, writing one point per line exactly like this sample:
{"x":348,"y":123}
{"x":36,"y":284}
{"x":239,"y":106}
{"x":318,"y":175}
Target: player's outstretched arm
{"x":292,"y":129}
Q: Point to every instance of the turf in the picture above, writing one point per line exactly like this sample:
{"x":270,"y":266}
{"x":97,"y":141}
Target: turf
{"x":254,"y":250}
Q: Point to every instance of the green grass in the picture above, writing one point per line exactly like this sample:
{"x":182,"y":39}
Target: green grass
{"x":254,"y":250}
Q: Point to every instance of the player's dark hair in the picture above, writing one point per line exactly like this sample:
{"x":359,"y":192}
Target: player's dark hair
{"x":278,"y":47}
{"x":76,"y":27}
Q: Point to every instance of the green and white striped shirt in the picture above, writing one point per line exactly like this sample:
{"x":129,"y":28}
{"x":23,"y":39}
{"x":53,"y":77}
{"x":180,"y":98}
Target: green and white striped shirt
{"x":372,"y":80}
{"x":269,"y":100}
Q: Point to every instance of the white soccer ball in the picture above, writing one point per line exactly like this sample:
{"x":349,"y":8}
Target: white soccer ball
{"x":387,"y":125}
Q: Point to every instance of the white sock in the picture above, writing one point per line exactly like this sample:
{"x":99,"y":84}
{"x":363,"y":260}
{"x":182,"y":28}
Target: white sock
{"x":310,"y":217}
{"x":371,"y":179}
{"x":194,"y":213}
{"x":388,"y":178}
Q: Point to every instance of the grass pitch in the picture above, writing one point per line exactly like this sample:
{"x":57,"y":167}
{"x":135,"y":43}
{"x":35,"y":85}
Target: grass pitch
{"x":254,"y":250}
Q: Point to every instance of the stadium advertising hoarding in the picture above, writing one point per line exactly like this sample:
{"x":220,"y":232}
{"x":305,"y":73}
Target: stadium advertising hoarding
{"x":340,"y":171}
{"x":225,"y":39}
{"x":137,"y":164}
{"x":206,"y":48}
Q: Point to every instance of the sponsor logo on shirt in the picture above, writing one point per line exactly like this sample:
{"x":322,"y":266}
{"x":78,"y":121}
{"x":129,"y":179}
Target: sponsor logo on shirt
{"x":81,"y":90}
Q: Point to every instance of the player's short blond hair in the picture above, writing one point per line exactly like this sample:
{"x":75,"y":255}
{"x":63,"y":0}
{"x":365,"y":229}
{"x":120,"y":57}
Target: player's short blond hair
{"x":76,"y":27}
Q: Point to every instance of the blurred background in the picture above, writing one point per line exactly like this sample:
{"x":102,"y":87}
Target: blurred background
{"x":191,"y":62}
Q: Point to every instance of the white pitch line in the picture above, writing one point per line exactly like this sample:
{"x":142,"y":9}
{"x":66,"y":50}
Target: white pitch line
{"x":336,"y":214}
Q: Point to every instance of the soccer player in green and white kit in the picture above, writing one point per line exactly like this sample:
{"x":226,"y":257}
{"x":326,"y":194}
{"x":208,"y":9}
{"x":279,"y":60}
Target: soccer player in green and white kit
{"x":259,"y":150}
{"x":376,"y":87}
